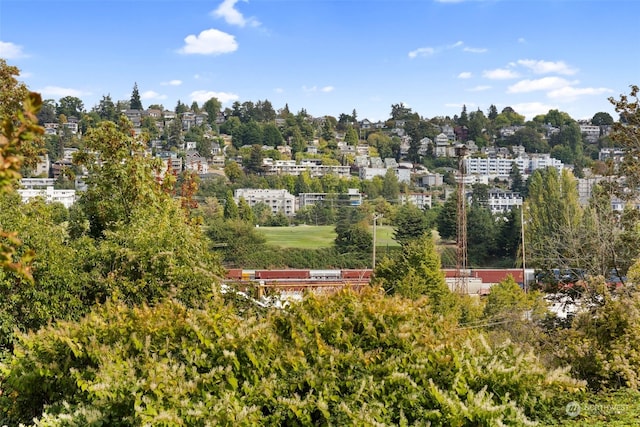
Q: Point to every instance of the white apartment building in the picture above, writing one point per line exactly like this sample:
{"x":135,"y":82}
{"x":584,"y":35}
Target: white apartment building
{"x":50,"y":195}
{"x":501,"y":167}
{"x":353,"y":197}
{"x":421,"y":200}
{"x":277,"y":200}
{"x":592,"y":133}
{"x":501,"y":201}
{"x":314,"y":166}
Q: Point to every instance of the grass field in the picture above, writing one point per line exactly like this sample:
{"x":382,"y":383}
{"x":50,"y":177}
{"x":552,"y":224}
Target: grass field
{"x":320,"y":236}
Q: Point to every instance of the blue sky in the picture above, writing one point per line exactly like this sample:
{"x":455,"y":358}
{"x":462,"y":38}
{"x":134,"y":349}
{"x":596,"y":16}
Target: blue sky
{"x":330,"y":56}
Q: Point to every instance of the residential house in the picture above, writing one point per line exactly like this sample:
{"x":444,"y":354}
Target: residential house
{"x":196,"y":163}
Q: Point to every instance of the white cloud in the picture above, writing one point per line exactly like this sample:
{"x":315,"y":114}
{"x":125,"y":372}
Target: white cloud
{"x":57,"y":91}
{"x":209,"y":42}
{"x":500,"y":74}
{"x":428,"y":51}
{"x":480,"y":88}
{"x":569,"y":93}
{"x":545,"y":83}
{"x":522,"y":40}
{"x":233,"y":16}
{"x":475,"y":49}
{"x":278,"y":90}
{"x":202,"y":96}
{"x":327,"y":89}
{"x":10,"y":50}
{"x":150,"y":94}
{"x":172,"y":83}
{"x":422,"y":51}
{"x":465,"y":75}
{"x":546,"y":67}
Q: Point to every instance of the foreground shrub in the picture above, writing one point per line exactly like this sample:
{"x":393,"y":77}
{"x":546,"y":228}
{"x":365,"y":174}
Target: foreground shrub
{"x":342,"y":360}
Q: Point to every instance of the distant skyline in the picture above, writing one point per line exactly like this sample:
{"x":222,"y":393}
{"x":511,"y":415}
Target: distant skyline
{"x":330,"y":56}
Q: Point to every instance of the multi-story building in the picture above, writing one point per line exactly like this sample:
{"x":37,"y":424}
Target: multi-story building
{"x":352,"y":198}
{"x":591,"y":133}
{"x":313,"y":166}
{"x":501,"y":201}
{"x":421,"y":200}
{"x":501,"y":167}
{"x":277,"y":200}
{"x":50,"y":195}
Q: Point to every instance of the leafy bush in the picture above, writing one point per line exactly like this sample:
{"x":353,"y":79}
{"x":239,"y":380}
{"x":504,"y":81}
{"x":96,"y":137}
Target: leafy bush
{"x":347,"y":359}
{"x":603,"y":343}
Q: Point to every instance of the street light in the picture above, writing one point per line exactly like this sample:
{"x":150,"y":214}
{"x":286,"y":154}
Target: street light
{"x":375,"y":218}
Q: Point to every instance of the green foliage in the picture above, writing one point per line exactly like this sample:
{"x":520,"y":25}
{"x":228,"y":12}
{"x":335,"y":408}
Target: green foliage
{"x":135,"y":103}
{"x":447,"y":218}
{"x":553,"y":217}
{"x":121,"y":177}
{"x":159,"y":253}
{"x":410,"y":223}
{"x":603,"y":344}
{"x":352,"y":231}
{"x":341,"y":360}
{"x":19,"y":144}
{"x":58,"y":289}
{"x":415,"y":272}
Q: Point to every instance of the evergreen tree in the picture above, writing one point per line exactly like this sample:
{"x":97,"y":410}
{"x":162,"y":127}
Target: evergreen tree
{"x":230,"y":207}
{"x":135,"y":103}
{"x":410,"y":224}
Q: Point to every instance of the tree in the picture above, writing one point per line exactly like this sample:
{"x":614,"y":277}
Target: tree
{"x":70,"y":106}
{"x":47,"y":113}
{"x":530,"y":139}
{"x":552,"y":220}
{"x":492,"y":113}
{"x":390,"y":186}
{"x":602,"y":119}
{"x":106,"y":109}
{"x":254,"y":163}
{"x":447,"y":218}
{"x":19,"y":144}
{"x":271,"y":135}
{"x":515,"y":178}
{"x":509,"y":238}
{"x":135,"y":103}
{"x":233,"y":171}
{"x":415,"y":272}
{"x":625,"y":134}
{"x":400,"y":112}
{"x":230,"y":207}
{"x":506,"y":299}
{"x":352,"y":231}
{"x":212,"y":107}
{"x":410,"y":224}
{"x":351,"y":137}
{"x":121,"y":176}
{"x":180,"y":108}
{"x":481,"y":234}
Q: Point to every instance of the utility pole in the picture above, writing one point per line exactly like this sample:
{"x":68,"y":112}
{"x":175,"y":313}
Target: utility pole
{"x":375,"y":218}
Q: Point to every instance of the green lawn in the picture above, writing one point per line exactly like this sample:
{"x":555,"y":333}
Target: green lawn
{"x":320,"y":236}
